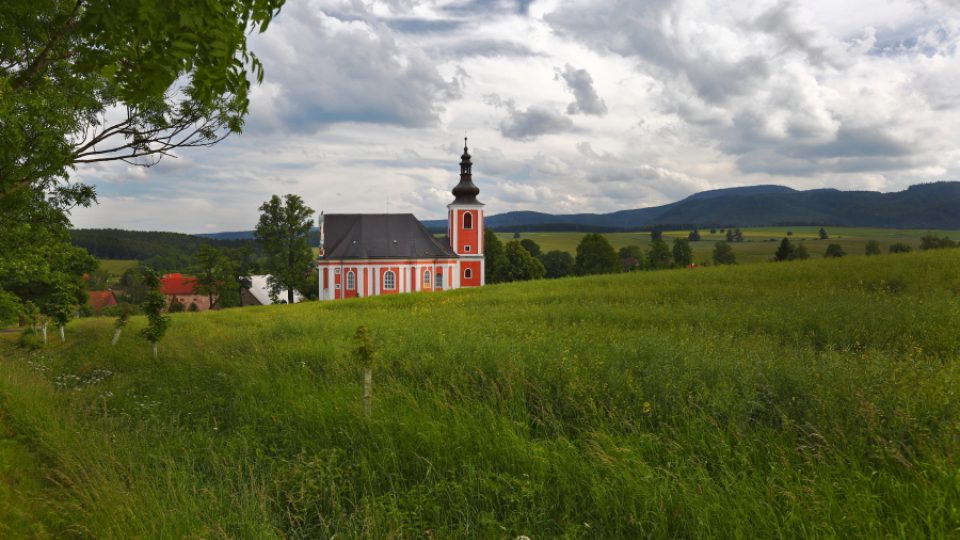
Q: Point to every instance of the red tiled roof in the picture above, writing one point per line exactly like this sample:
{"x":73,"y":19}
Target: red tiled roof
{"x":177,"y":284}
{"x":98,"y":300}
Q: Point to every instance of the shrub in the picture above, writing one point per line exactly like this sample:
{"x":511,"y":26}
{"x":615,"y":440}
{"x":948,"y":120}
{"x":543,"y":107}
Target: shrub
{"x":900,"y":247}
{"x":872,"y":247}
{"x":30,"y":339}
{"x":834,"y":250}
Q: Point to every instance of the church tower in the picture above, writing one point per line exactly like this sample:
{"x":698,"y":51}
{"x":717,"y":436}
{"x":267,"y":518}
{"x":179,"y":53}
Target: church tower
{"x":465,"y":225}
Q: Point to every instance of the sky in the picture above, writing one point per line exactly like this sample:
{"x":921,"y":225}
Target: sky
{"x":570,"y":106}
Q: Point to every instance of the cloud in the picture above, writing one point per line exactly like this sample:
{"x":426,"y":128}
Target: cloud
{"x":581,"y":84}
{"x":480,"y":7}
{"x":777,"y":92}
{"x":323,"y":70}
{"x":527,"y":125}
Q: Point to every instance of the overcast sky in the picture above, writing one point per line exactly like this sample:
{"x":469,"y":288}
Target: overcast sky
{"x":570,"y":106}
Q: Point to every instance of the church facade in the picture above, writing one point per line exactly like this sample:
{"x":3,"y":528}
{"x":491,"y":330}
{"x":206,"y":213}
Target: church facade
{"x":376,"y":254}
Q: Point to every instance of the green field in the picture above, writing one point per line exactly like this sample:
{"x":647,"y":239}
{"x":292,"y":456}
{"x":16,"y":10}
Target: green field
{"x":117,"y":266}
{"x":759,"y":244}
{"x":817,"y":398}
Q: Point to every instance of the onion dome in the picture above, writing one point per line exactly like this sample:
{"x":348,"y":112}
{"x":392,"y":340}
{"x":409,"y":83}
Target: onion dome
{"x":466,"y":192}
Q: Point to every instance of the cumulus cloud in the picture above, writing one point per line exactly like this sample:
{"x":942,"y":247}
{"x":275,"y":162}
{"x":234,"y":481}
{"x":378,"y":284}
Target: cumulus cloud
{"x":528,"y":124}
{"x":580,"y":83}
{"x":776,"y":90}
{"x":323,"y":70}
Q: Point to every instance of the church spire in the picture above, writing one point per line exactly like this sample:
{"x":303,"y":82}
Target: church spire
{"x":466,"y":192}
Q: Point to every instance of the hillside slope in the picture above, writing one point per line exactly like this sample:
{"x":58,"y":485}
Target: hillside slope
{"x":808,"y":399}
{"x":924,"y":206}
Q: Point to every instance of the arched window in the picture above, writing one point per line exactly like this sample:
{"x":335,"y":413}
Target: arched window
{"x":389,"y":280}
{"x":351,"y":281}
{"x":467,"y":220}
{"x":467,"y":273}
{"x":426,"y":278}
{"x":438,"y":282}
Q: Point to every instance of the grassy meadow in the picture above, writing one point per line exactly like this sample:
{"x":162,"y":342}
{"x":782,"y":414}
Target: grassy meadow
{"x":759,"y":245}
{"x":817,"y":398}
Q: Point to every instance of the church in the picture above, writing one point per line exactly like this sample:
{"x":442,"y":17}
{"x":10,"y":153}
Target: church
{"x":375,"y":254}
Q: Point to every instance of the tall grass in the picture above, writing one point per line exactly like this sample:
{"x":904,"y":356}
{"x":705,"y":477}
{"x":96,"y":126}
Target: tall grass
{"x":812,"y":399}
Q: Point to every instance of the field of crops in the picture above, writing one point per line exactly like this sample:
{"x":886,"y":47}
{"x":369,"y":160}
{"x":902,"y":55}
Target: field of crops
{"x":817,"y":398}
{"x":759,"y":244}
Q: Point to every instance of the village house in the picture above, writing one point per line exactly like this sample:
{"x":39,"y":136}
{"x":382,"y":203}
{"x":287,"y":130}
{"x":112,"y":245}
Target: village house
{"x":259,"y":293}
{"x":101,"y":300}
{"x":376,"y":254}
{"x":179,"y":288}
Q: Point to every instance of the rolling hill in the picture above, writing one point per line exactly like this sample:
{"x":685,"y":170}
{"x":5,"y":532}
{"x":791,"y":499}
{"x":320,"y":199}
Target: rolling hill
{"x":921,"y":206}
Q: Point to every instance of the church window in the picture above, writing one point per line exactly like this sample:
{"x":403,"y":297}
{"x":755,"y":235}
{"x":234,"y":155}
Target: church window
{"x":389,"y":280}
{"x":439,"y":280}
{"x":351,"y":283}
{"x":467,"y":273}
{"x":426,"y":278}
{"x":467,"y":220}
{"x":466,"y":248}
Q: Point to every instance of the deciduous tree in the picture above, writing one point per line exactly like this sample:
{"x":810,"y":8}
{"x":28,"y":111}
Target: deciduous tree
{"x":495,"y":258}
{"x":682,"y":253}
{"x":215,"y":276}
{"x":872,"y":247}
{"x":522,"y":266}
{"x":282,"y":231}
{"x":723,"y":254}
{"x":557,"y":264}
{"x":659,"y":256}
{"x":595,"y":255}
{"x":157,"y":322}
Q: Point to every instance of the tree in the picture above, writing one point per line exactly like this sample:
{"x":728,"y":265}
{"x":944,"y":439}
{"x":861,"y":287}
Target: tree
{"x":730,"y":236}
{"x":823,"y":233}
{"x":557,"y":264}
{"x":834,"y":250}
{"x":216,"y":274}
{"x":785,"y":252}
{"x":800,"y":252}
{"x":659,"y":256}
{"x":37,"y":262}
{"x":738,"y":235}
{"x":123,"y":318}
{"x":495,"y":258}
{"x":899,"y":247}
{"x":595,"y":255}
{"x":87,"y":81}
{"x":682,"y":253}
{"x":365,"y":354}
{"x":872,"y":247}
{"x":932,"y":241}
{"x":631,"y":257}
{"x":723,"y":254}
{"x":157,"y":322}
{"x":656,"y":234}
{"x":245,"y":265}
{"x":282,"y":231}
{"x":532,"y":247}
{"x":694,"y":236}
{"x":521,"y":266}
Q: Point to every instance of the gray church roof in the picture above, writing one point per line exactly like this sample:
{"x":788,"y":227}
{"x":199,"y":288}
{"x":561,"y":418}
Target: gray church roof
{"x":380,"y":236}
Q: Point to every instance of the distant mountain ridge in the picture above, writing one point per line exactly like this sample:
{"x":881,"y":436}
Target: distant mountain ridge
{"x":923,"y":206}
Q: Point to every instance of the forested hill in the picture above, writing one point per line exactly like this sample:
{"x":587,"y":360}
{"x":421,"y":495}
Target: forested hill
{"x":933,"y":206}
{"x":142,"y":245}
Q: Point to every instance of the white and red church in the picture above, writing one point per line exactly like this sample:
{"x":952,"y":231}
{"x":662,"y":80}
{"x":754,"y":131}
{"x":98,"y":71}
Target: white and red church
{"x":376,"y":254}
